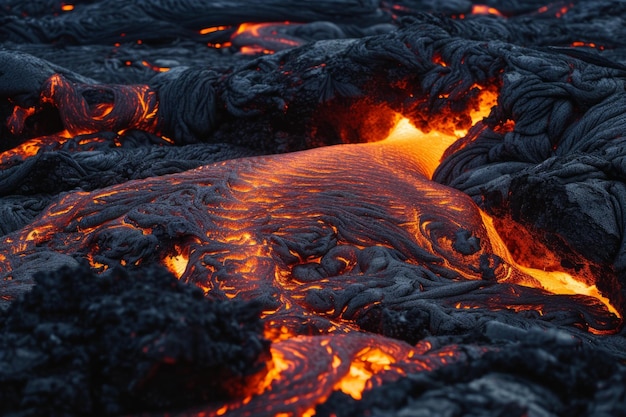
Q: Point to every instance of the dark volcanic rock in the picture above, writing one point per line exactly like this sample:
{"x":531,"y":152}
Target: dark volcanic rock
{"x":83,"y":344}
{"x":540,"y":376}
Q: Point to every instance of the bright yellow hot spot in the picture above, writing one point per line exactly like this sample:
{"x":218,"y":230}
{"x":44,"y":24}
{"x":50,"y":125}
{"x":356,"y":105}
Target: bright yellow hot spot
{"x":552,"y":280}
{"x":368,"y":362}
{"x":427,"y":149}
{"x":176,"y":264}
{"x":277,"y":366}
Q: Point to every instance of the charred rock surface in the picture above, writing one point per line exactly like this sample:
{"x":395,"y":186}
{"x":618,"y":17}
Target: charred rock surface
{"x":158,"y":21}
{"x":87,"y":344}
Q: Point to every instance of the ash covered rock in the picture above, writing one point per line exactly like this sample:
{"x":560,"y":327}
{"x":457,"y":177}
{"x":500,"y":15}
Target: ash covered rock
{"x":82,"y":344}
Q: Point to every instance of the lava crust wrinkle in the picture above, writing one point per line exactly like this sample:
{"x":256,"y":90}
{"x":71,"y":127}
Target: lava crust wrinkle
{"x":328,"y":232}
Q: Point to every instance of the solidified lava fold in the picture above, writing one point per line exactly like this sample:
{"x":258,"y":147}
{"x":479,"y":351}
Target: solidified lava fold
{"x":312,"y":208}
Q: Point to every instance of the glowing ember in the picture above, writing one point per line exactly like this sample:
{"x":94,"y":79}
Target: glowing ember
{"x":206,"y":31}
{"x":482,"y":9}
{"x":266,"y":38}
{"x":154,"y":67}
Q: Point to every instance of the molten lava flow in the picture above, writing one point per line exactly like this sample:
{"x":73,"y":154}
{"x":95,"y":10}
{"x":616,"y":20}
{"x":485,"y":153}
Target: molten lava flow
{"x":266,"y":38}
{"x":300,"y":231}
{"x":543,"y":265}
{"x":428,"y":150}
{"x":305,"y":370}
{"x":322,"y":239}
{"x":483,"y":9}
{"x":88,"y":108}
{"x":86,"y":111}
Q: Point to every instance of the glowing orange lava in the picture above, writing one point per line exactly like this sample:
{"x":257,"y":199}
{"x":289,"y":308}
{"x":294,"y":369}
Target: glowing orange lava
{"x":206,"y":31}
{"x":297,"y":231}
{"x":262,"y":38}
{"x":305,"y":370}
{"x":483,"y":9}
{"x":428,"y":150}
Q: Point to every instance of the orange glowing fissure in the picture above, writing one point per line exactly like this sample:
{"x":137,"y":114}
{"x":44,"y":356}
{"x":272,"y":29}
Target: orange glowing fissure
{"x":264,"y":35}
{"x":254,"y":29}
{"x":154,"y":67}
{"x":206,"y":31}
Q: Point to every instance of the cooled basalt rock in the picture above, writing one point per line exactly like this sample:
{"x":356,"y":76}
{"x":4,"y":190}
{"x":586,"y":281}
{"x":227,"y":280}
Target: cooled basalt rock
{"x":87,"y":344}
